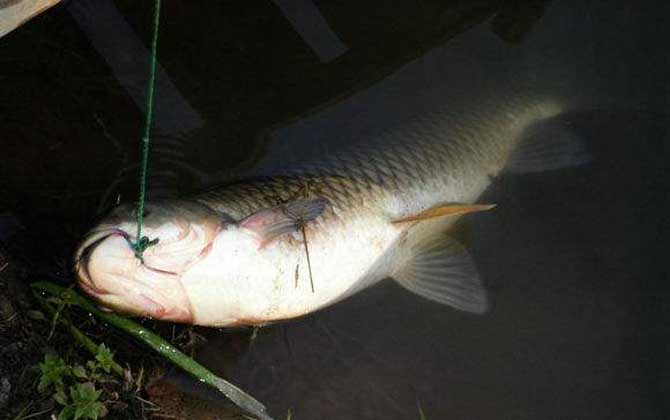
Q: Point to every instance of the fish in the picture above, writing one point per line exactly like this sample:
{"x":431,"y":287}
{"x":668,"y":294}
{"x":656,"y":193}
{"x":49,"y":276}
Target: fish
{"x":280,"y":246}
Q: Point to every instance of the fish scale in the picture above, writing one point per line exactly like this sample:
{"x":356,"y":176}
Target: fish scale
{"x":437,"y":148}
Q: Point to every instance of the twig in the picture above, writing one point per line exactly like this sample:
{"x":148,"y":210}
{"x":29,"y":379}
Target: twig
{"x":168,"y":416}
{"x":20,"y":416}
{"x":309,"y":263}
{"x":147,"y":402}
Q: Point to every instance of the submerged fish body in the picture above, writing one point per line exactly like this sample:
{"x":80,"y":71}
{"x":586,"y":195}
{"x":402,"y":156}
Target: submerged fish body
{"x":279,"y":247}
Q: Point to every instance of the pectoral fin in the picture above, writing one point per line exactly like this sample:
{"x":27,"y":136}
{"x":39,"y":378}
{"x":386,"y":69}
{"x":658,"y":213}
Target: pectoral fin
{"x":444,"y":210}
{"x":271,"y":223}
{"x":441,"y":270}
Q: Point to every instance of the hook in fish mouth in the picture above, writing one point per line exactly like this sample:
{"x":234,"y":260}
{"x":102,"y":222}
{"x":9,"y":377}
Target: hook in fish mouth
{"x":82,"y":260}
{"x":108,"y":271}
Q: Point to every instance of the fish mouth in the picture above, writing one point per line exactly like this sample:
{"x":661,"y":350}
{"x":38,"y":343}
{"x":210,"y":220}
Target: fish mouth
{"x":83,"y":256}
{"x":97,"y":237}
{"x":117,"y":301}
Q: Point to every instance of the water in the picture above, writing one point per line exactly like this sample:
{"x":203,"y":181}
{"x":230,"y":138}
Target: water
{"x":573,"y":259}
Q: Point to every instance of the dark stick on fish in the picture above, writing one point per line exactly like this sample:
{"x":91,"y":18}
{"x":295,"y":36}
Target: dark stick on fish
{"x":309,"y":264}
{"x":297,"y":275}
{"x":300,"y":223}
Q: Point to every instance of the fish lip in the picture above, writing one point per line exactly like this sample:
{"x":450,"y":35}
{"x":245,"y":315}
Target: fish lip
{"x":92,"y":289}
{"x":93,"y":240}
{"x":155,"y":309}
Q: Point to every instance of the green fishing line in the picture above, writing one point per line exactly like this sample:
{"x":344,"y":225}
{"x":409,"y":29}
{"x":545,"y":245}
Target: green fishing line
{"x":143,"y":242}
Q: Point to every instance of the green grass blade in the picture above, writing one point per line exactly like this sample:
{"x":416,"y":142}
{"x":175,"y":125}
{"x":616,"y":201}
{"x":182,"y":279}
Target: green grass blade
{"x":421,"y":415}
{"x":158,"y":344}
{"x":82,"y":338}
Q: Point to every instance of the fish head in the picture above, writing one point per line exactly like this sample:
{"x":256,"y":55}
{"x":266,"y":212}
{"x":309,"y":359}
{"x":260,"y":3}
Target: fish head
{"x":108,"y":268}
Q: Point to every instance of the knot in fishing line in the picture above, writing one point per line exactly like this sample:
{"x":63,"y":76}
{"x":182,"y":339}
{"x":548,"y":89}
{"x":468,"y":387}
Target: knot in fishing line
{"x":141,"y":245}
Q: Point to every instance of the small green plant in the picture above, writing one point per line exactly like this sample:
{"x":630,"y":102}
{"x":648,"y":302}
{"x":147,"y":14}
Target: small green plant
{"x":83,"y":403}
{"x":74,"y":386}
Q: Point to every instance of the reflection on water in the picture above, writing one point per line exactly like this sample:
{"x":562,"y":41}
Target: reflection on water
{"x":570,"y":257}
